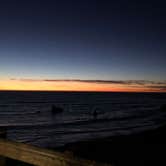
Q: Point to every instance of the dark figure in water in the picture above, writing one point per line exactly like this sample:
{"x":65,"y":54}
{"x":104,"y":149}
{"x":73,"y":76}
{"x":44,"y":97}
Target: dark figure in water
{"x":95,"y":114}
{"x":163,"y":108}
{"x":56,"y":109}
{"x":3,"y":132}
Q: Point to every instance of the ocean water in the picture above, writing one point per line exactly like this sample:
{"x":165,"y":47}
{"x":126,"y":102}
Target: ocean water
{"x":28,"y":118}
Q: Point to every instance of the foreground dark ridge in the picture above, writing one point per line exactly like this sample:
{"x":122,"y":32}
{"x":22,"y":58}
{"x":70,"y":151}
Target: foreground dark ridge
{"x":38,"y":156}
{"x":145,"y":148}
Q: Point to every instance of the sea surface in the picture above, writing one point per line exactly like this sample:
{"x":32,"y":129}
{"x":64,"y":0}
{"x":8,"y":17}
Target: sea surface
{"x":28,"y":116}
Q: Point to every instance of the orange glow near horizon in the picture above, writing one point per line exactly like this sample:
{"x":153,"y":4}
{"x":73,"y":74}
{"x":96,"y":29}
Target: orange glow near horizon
{"x":30,"y":85}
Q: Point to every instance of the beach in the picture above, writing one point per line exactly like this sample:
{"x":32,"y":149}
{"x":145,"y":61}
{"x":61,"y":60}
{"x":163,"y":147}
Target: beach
{"x":144,"y":148}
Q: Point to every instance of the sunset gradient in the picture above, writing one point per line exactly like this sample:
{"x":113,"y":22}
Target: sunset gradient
{"x":84,"y":45}
{"x":75,"y":85}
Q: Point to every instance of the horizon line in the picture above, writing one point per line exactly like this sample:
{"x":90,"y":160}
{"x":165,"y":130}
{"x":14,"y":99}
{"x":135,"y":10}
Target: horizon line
{"x":2,"y":90}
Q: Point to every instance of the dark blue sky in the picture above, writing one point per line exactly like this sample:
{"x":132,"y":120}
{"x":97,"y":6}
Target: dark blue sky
{"x":83,"y":39}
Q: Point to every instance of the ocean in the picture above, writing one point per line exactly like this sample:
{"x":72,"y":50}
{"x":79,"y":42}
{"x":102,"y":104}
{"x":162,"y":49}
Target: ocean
{"x":28,"y":116}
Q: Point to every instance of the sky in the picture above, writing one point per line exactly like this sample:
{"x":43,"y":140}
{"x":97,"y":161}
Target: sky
{"x":89,"y":45}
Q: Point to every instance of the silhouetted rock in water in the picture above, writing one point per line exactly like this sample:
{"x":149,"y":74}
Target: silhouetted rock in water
{"x":56,"y":109}
{"x":163,"y":108}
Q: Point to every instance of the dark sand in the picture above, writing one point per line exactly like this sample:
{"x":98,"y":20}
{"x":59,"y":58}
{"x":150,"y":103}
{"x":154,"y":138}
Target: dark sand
{"x":145,"y":148}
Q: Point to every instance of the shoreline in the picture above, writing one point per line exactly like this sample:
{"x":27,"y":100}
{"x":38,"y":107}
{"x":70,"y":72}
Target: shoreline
{"x":144,"y":148}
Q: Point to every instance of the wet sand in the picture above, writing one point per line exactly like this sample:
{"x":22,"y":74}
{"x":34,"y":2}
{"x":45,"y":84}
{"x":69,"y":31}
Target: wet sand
{"x":145,"y":148}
